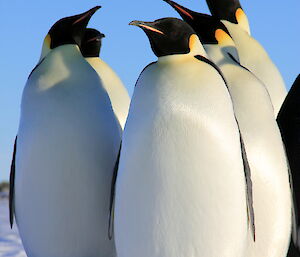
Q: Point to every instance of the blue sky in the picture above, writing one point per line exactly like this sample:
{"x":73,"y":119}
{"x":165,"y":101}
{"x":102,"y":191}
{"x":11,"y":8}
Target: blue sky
{"x":24,"y":25}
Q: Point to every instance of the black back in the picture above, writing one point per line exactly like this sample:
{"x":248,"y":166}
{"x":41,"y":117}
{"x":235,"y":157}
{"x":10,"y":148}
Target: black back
{"x":289,"y":123}
{"x":224,"y":9}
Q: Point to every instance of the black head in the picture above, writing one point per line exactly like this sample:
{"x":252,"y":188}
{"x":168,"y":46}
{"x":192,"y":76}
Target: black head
{"x":91,"y":43}
{"x":224,"y":9}
{"x":167,"y":36}
{"x":229,"y":10}
{"x":70,"y":30}
{"x":204,"y":25}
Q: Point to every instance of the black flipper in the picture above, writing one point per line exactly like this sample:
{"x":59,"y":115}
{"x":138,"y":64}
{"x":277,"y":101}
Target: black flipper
{"x":36,"y":67}
{"x":12,"y":186}
{"x":238,"y":63}
{"x":294,"y":248}
{"x":289,"y":124}
{"x":247,"y":169}
{"x":112,"y":197}
{"x":293,"y":251}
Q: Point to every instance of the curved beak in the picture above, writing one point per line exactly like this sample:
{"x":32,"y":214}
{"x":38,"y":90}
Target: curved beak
{"x":80,"y":22}
{"x":85,"y":17}
{"x":148,"y":26}
{"x":183,"y":11}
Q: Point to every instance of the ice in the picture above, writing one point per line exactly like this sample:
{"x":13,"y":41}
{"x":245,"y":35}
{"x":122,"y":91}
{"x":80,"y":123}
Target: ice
{"x":10,"y":242}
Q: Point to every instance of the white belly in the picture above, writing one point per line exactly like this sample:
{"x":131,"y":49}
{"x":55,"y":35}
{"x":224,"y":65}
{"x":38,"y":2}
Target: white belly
{"x":181,"y":187}
{"x":116,"y":90}
{"x":66,"y":152}
{"x":267,"y":160}
{"x":272,"y":207}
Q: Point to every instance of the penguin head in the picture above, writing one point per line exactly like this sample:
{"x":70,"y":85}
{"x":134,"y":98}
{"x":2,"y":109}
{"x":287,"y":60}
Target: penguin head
{"x":91,"y":43}
{"x":230,"y":10}
{"x":209,"y":29}
{"x":68,"y":30}
{"x":169,"y":36}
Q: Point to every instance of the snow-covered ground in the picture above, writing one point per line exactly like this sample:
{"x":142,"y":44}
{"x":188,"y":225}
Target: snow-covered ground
{"x":10,"y":242}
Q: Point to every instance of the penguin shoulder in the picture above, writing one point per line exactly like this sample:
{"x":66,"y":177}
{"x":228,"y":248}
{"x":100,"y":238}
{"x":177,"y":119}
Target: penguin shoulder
{"x":63,"y":64}
{"x":245,"y":43}
{"x":107,"y":74}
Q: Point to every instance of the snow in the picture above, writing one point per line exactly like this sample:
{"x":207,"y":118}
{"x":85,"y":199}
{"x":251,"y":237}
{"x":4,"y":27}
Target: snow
{"x":10,"y":242}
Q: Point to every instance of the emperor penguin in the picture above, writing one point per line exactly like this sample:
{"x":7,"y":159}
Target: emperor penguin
{"x":288,"y":121}
{"x":181,"y":187}
{"x":116,"y":90}
{"x":272,"y":196}
{"x":65,"y":152}
{"x":230,"y":10}
{"x":251,"y":53}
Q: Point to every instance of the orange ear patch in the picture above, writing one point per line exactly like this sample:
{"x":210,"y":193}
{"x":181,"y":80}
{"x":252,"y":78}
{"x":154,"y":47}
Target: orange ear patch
{"x":240,"y":15}
{"x":242,"y":19}
{"x":193,"y":41}
{"x":222,"y":37}
{"x":48,"y":41}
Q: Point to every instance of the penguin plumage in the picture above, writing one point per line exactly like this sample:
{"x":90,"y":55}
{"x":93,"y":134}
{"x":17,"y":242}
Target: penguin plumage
{"x":272,"y":201}
{"x":288,"y":121}
{"x":251,"y":53}
{"x":230,"y":10}
{"x":65,"y":152}
{"x":116,"y":90}
{"x":178,"y":171}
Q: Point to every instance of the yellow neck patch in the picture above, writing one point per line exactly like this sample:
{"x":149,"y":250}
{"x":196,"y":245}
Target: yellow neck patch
{"x":193,"y":42}
{"x":47,"y":41}
{"x":46,"y":46}
{"x":196,"y":48}
{"x":242,"y":19}
{"x":223,"y":38}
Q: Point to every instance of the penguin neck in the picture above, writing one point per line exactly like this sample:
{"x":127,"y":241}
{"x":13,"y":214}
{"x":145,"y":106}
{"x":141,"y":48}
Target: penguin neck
{"x":93,"y":60}
{"x":46,"y":50}
{"x":236,"y":30}
{"x":221,"y":54}
{"x":64,"y":57}
{"x":195,"y":49}
{"x":60,"y":64}
{"x":243,"y":21}
{"x":67,"y":52}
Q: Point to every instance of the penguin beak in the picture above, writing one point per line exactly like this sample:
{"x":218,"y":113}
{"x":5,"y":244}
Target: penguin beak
{"x":85,"y":17}
{"x":70,"y":30}
{"x":148,"y":26}
{"x":80,"y":22}
{"x":185,"y":13}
